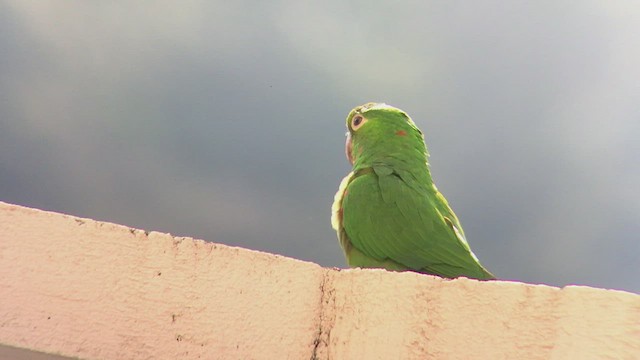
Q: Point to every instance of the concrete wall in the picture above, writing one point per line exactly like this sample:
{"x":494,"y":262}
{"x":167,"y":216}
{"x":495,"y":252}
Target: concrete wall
{"x":94,"y":290}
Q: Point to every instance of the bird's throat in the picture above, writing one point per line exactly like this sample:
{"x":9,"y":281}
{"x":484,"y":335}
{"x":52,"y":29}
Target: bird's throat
{"x":348,"y":149}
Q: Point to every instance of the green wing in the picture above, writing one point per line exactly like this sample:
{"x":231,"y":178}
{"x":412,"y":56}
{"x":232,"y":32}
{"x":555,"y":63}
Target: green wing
{"x":387,"y":221}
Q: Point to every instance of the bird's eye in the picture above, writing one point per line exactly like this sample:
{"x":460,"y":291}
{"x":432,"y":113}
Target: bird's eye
{"x":357,"y":122}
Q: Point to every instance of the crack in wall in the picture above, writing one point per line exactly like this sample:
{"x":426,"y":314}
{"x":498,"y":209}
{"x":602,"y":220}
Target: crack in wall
{"x":326,"y":317}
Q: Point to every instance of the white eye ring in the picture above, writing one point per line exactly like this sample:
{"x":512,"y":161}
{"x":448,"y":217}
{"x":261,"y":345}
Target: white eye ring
{"x":357,"y":121}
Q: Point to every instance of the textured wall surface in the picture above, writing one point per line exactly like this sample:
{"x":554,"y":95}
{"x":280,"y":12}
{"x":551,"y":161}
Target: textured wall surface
{"x":94,"y":290}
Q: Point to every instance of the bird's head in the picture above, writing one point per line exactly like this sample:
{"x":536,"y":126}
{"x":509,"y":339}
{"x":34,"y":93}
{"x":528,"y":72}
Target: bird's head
{"x":378,"y":130}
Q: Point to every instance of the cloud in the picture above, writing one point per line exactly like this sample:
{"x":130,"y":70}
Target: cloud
{"x":225,"y":121}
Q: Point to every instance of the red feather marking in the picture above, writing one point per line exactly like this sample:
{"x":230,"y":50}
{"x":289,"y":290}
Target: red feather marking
{"x":401,"y":133}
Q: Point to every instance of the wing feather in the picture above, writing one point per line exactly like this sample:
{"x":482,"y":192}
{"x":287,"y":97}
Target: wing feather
{"x":388,"y":218}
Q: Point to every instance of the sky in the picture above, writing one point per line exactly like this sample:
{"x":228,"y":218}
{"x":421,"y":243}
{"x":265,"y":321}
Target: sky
{"x":225,"y":121}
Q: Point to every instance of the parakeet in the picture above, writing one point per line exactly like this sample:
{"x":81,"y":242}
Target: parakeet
{"x":387,"y":212}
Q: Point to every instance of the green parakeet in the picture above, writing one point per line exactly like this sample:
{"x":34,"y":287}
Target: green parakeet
{"x":387,"y":212}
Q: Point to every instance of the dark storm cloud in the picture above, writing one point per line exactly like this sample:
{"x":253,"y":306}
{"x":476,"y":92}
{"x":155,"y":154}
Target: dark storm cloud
{"x":225,"y":121}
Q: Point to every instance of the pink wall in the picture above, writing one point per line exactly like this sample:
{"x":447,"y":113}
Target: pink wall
{"x":95,"y":290}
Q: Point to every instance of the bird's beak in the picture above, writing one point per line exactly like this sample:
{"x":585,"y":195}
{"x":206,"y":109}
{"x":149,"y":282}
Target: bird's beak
{"x":348,"y":148}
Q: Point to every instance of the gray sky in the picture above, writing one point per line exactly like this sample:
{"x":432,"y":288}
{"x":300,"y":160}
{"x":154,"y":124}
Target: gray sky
{"x":225,"y":120}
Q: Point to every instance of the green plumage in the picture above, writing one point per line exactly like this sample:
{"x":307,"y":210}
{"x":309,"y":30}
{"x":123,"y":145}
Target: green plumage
{"x":387,"y":211}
